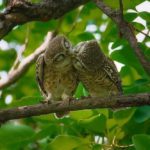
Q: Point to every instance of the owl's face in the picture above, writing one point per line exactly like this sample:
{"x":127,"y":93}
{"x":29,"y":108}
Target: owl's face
{"x":87,"y":56}
{"x":57,"y":54}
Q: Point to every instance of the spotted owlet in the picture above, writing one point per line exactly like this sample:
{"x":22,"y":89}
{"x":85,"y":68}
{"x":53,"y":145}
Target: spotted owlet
{"x":96,"y":71}
{"x":56,"y":76}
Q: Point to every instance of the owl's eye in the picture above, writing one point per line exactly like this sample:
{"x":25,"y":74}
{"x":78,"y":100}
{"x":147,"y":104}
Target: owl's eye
{"x":60,"y":58}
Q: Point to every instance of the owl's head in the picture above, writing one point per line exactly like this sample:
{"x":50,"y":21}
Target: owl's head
{"x":57,"y":52}
{"x":88,"y":56}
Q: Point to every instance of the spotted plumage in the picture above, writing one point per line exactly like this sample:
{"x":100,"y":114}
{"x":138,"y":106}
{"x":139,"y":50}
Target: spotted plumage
{"x":97,"y":72}
{"x":56,"y":75}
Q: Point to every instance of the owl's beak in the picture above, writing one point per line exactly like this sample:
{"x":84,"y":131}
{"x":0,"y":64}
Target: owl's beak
{"x":71,"y":53}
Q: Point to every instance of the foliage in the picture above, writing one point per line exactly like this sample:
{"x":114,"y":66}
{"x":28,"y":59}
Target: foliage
{"x":86,"y":129}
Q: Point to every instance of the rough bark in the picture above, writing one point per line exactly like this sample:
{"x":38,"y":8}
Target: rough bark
{"x":21,"y":11}
{"x":85,"y":103}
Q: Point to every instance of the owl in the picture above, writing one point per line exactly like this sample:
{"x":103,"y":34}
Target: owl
{"x":55,"y":73}
{"x":97,"y":72}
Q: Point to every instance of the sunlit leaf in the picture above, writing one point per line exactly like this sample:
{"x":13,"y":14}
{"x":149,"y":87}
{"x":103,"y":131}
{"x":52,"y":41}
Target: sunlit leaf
{"x":66,"y":142}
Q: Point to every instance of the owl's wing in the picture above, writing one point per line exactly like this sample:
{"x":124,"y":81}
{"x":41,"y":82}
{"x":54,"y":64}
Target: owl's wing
{"x":40,"y":64}
{"x":111,"y":70}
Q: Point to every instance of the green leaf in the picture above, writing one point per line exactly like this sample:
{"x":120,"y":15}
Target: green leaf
{"x":85,"y":36}
{"x":49,"y":131}
{"x":141,"y":141}
{"x":96,"y":124}
{"x":97,"y":147}
{"x":127,"y":56}
{"x":4,"y":56}
{"x":119,"y":42}
{"x":81,"y":91}
{"x":138,"y":26}
{"x":11,"y":134}
{"x":148,"y":25}
{"x":83,"y":147}
{"x":139,"y":86}
{"x":123,"y":116}
{"x":66,"y":142}
{"x":81,"y":114}
{"x":145,"y":15}
{"x":127,"y":4}
{"x":130,"y":16}
{"x":87,"y":9}
{"x":142,"y":114}
{"x":115,"y":4}
{"x":26,"y":101}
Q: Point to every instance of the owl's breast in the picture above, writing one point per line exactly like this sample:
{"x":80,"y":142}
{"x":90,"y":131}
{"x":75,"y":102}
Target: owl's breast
{"x":57,"y":82}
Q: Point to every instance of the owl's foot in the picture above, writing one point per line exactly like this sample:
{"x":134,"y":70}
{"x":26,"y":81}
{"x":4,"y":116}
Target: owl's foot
{"x":48,"y":99}
{"x":67,"y":101}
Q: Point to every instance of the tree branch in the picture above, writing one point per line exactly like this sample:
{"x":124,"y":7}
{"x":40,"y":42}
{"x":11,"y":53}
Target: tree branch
{"x":86,"y":103}
{"x":21,"y":11}
{"x":15,"y":74}
{"x":127,"y":31}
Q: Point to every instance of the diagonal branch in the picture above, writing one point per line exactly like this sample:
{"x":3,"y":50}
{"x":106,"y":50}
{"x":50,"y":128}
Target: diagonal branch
{"x":127,"y":31}
{"x":15,"y":74}
{"x":86,"y":103}
{"x":21,"y":11}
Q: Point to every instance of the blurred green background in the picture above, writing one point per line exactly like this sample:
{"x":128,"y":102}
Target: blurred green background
{"x":99,"y":129}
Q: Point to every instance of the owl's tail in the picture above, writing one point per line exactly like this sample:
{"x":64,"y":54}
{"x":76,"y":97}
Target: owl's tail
{"x":61,"y":114}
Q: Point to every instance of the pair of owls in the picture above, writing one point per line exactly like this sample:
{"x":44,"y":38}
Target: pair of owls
{"x":61,"y":67}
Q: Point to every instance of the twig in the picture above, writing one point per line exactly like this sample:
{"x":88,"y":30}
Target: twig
{"x":126,"y":31}
{"x":115,"y":145}
{"x":15,"y":74}
{"x":121,"y":8}
{"x":86,"y":103}
{"x":75,"y":22}
{"x":146,"y":34}
{"x":20,"y":52}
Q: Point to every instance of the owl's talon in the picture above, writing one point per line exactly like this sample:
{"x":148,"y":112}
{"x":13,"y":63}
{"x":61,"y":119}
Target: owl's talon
{"x":67,"y":101}
{"x":46,"y":101}
{"x":43,"y":101}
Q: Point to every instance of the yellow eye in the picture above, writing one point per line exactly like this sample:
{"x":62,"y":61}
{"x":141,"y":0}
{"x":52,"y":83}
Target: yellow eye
{"x":60,"y":57}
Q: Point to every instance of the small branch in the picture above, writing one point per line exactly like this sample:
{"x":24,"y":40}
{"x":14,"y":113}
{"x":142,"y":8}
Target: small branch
{"x":146,"y":34}
{"x":21,"y":11}
{"x":86,"y":103}
{"x":75,"y":22}
{"x":127,"y":31}
{"x":121,"y":8}
{"x":15,"y":74}
{"x":115,"y":144}
{"x":20,"y":53}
